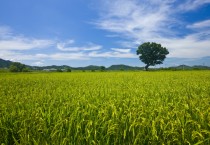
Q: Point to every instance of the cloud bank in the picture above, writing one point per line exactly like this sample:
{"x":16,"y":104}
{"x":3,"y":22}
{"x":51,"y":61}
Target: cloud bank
{"x":18,"y":48}
{"x":157,"y":21}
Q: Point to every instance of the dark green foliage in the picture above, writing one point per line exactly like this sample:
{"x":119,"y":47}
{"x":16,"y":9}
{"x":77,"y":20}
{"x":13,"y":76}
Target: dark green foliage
{"x":5,"y":63}
{"x":123,"y":67}
{"x":90,"y":67}
{"x":68,"y":70}
{"x":59,"y":70}
{"x":13,"y":68}
{"x":25,"y":69}
{"x":18,"y":67}
{"x":103,"y":68}
{"x":151,"y":54}
{"x":3,"y":70}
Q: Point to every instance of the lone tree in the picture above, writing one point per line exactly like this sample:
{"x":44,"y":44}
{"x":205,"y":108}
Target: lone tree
{"x":151,"y":54}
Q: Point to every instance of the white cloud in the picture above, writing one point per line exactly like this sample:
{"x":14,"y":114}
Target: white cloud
{"x":4,"y":31}
{"x":190,"y":5}
{"x":10,"y":41}
{"x":156,"y":21}
{"x":21,"y":56}
{"x":200,"y":25}
{"x":68,"y":56}
{"x":187,"y":47}
{"x":112,"y":54}
{"x":24,"y":44}
{"x":130,"y":17}
{"x":38,"y":63}
{"x":13,"y":47}
{"x":66,"y":46}
{"x":40,"y":55}
{"x":13,"y":56}
{"x":8,"y":55}
{"x":121,"y":50}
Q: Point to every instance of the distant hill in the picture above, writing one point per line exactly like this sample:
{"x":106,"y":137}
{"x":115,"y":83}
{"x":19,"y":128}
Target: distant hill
{"x":90,"y":67}
{"x":123,"y":67}
{"x":50,"y":67}
{"x":5,"y":63}
{"x":117,"y":67}
{"x":186,"y":67}
{"x":182,"y":67}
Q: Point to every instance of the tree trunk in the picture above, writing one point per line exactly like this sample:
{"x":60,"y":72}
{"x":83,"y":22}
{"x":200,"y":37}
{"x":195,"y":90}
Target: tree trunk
{"x":146,"y":67}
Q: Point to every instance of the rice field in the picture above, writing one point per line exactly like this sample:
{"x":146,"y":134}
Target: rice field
{"x":105,"y":108}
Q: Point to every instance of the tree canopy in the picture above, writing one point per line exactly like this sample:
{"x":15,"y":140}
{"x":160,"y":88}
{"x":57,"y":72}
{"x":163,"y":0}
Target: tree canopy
{"x":18,"y":67}
{"x":102,"y":68}
{"x":151,"y":54}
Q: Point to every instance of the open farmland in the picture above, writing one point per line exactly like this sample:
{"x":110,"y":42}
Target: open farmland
{"x":105,"y":108}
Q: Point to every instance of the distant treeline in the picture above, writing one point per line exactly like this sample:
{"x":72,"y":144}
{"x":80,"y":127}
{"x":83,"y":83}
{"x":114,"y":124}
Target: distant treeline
{"x":13,"y":66}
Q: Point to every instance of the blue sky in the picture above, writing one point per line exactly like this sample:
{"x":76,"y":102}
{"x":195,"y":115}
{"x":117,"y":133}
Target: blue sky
{"x":103,"y":32}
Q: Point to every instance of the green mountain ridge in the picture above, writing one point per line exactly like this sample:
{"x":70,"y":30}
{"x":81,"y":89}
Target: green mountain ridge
{"x":7,"y":63}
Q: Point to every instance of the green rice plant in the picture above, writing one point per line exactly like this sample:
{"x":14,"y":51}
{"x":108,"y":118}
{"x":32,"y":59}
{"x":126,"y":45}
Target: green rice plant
{"x":105,"y":108}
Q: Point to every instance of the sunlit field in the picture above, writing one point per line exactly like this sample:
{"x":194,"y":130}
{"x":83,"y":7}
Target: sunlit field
{"x":82,"y":108}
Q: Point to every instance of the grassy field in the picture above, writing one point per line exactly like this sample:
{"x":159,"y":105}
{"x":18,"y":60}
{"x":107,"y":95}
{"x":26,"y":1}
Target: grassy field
{"x":105,"y":108}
